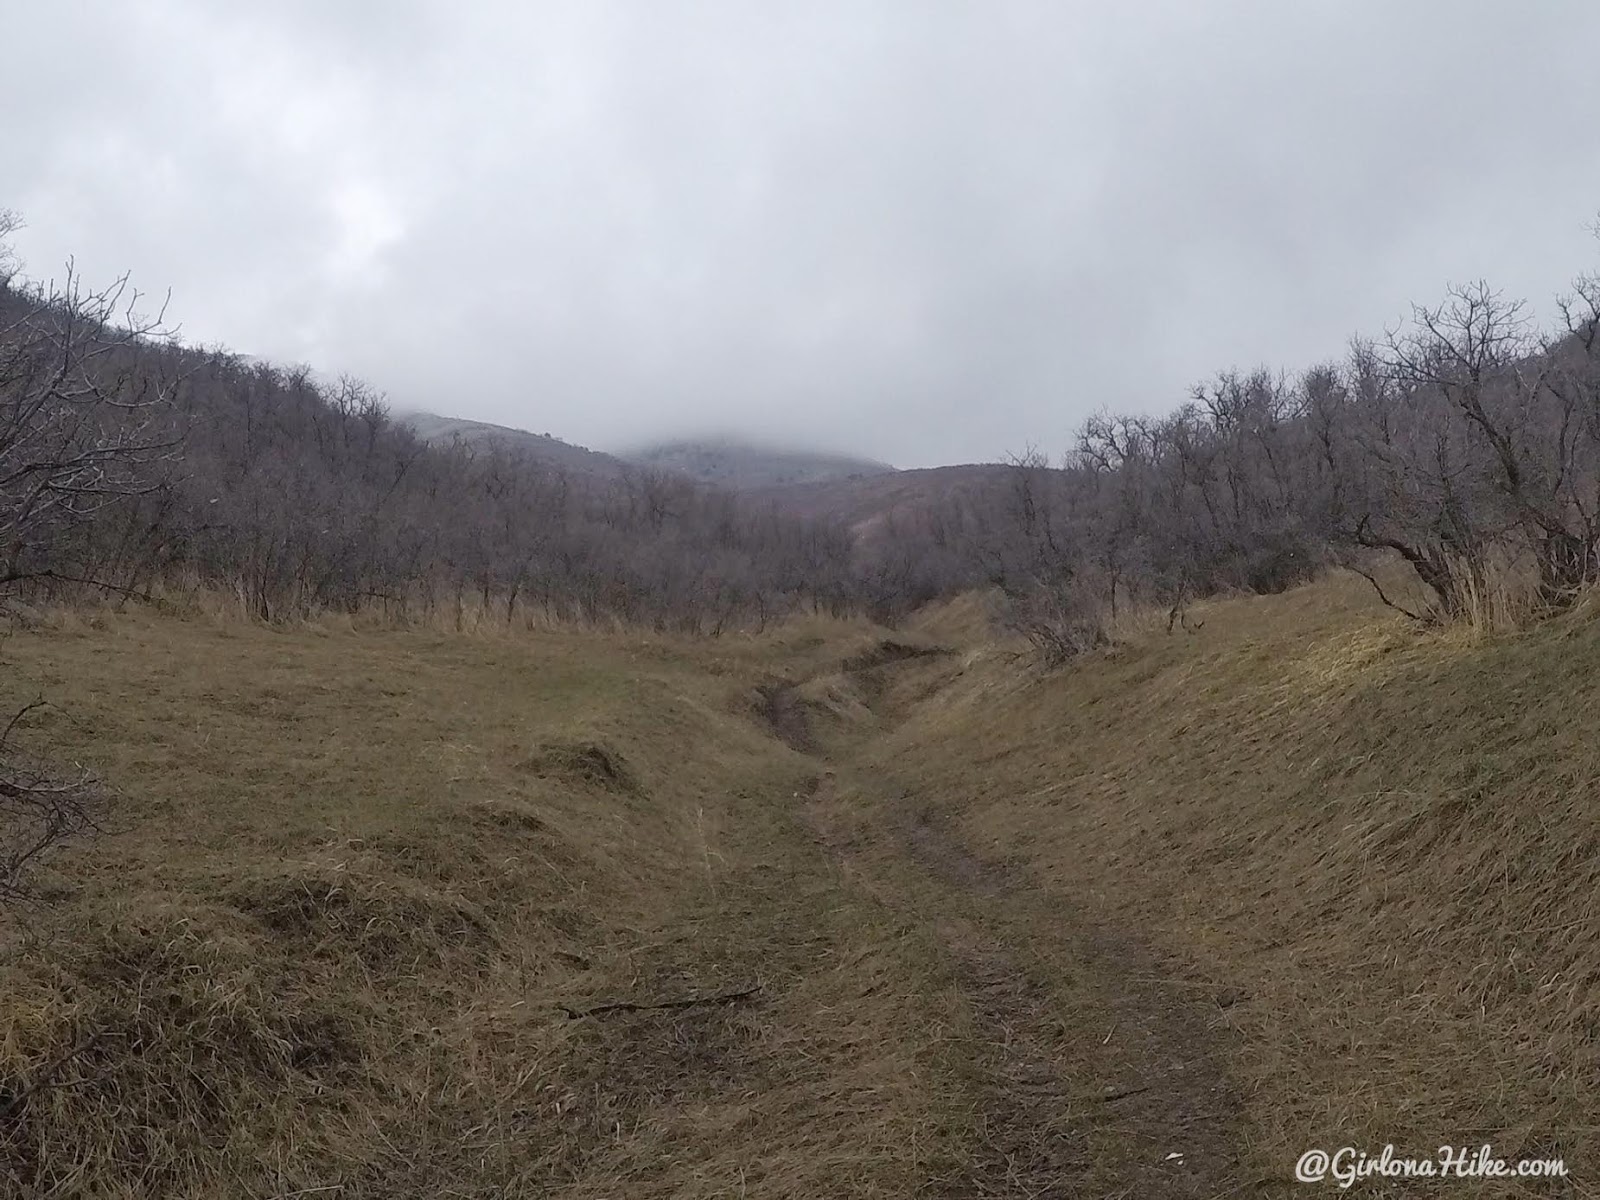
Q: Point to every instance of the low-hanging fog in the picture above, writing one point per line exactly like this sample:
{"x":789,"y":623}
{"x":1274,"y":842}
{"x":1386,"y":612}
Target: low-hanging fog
{"x":920,"y":231}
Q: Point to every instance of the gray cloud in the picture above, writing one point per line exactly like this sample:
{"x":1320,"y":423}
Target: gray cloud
{"x":927,"y":230}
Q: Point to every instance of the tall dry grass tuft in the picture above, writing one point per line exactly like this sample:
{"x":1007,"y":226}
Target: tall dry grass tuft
{"x":1482,"y":596}
{"x":1498,"y":594}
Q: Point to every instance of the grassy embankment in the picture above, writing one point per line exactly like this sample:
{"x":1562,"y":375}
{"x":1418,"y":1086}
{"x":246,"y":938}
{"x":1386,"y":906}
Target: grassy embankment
{"x":1373,"y":850}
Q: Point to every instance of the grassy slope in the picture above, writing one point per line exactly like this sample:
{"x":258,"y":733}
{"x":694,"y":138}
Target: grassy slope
{"x":357,"y":873}
{"x":1376,"y":849}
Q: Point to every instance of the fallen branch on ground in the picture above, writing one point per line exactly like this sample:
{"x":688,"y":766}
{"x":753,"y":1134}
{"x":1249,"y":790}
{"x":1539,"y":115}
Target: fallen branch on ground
{"x":687,"y":1002}
{"x":1108,"y":1096}
{"x":45,"y":1078}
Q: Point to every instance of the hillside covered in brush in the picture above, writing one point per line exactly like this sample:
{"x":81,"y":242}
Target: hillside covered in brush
{"x":1465,"y":445}
{"x":538,"y":447}
{"x":136,"y":465}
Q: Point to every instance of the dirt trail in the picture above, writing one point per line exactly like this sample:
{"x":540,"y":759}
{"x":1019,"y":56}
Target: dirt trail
{"x":1095,"y":1068}
{"x":1140,"y":1093}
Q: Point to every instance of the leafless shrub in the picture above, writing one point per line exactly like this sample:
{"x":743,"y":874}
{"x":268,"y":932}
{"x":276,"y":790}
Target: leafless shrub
{"x":1464,"y":442}
{"x":40,"y":810}
{"x":83,"y":430}
{"x":1062,"y":621}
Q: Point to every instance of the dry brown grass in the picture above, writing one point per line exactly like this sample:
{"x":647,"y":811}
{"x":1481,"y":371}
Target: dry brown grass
{"x":1309,"y":875}
{"x":1499,"y":596}
{"x":1384,"y":838}
{"x":354,"y":876}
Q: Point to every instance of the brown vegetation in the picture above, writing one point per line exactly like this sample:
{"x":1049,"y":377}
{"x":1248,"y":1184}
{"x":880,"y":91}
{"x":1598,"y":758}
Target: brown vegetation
{"x":838,"y":913}
{"x":355,"y":881}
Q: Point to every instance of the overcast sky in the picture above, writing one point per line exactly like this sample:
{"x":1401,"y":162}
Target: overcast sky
{"x":923,"y":230}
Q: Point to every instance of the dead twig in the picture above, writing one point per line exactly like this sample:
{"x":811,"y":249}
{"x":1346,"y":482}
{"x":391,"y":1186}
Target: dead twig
{"x":45,"y":1077}
{"x":1121,"y":1093}
{"x":686,"y":1002}
{"x":1384,"y":596}
{"x":1109,"y":1096}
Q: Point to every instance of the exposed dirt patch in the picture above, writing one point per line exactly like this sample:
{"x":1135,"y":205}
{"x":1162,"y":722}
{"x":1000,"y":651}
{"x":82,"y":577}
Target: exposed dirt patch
{"x":1081,"y":1081}
{"x":950,"y":861}
{"x":1031,"y":1138}
{"x":780,"y":706}
{"x":1171,"y":1094}
{"x":891,"y":651}
{"x":1098,"y":1065}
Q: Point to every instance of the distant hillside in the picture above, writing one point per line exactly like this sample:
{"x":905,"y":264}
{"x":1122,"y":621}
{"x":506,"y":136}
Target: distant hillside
{"x":431,"y":427}
{"x":744,"y":467}
{"x":866,"y":503}
{"x":864,"y":495}
{"x":859,"y":492}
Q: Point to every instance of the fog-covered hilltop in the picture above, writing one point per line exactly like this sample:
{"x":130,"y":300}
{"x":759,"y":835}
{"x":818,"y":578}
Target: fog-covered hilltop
{"x":730,"y":463}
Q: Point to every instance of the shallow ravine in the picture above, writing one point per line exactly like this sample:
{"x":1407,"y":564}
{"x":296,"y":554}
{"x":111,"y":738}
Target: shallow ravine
{"x":1089,"y":1068}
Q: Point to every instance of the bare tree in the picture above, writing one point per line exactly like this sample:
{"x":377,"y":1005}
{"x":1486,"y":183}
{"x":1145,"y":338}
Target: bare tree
{"x":10,"y":222}
{"x":83,"y":422}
